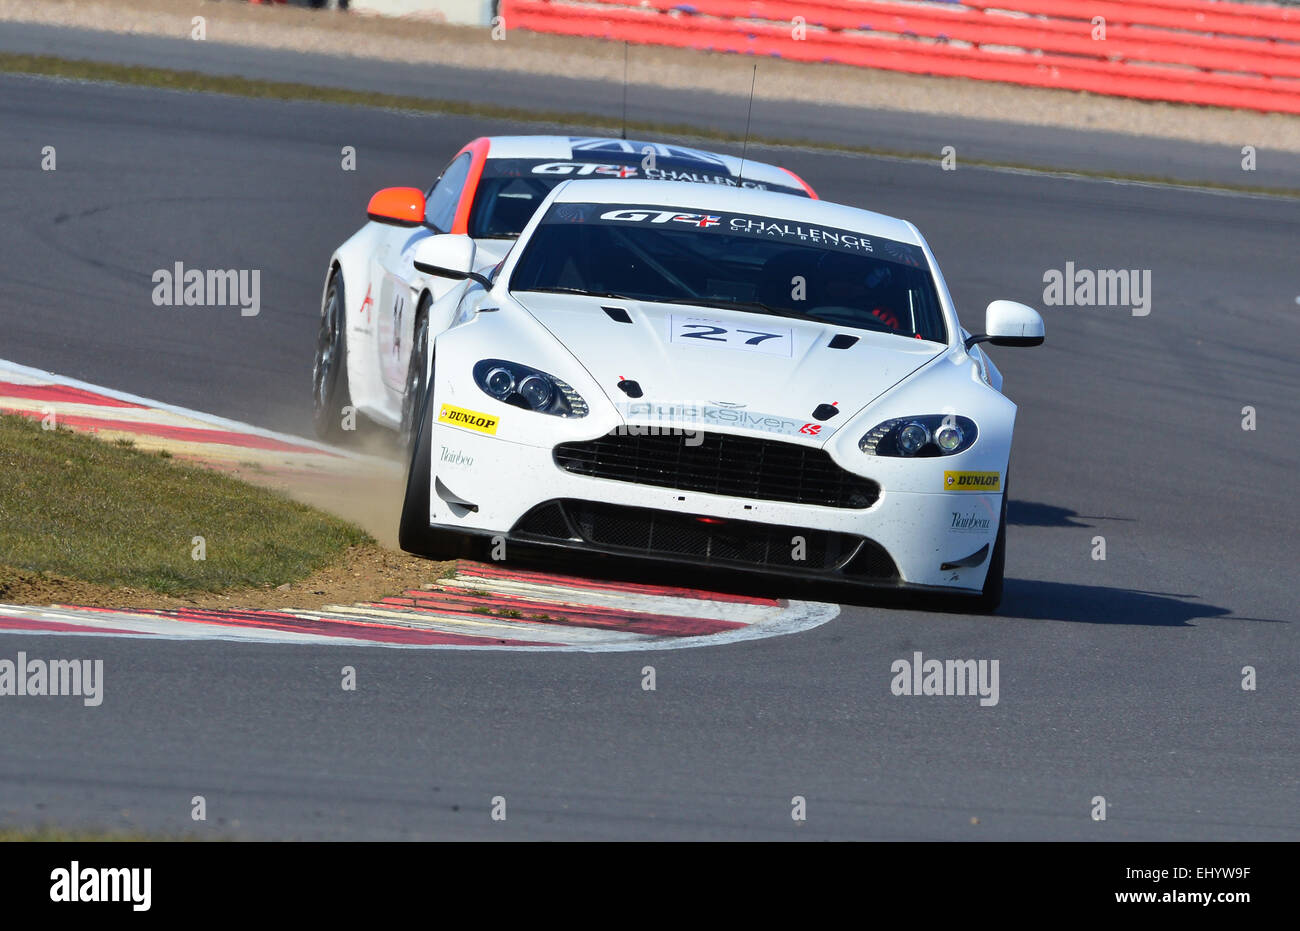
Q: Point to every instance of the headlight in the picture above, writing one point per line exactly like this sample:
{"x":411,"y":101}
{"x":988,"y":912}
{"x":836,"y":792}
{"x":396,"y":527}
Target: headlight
{"x":528,"y":388}
{"x":949,"y":438}
{"x":537,"y":391}
{"x":929,"y":435}
{"x":912,"y":437}
{"x":499,"y":382}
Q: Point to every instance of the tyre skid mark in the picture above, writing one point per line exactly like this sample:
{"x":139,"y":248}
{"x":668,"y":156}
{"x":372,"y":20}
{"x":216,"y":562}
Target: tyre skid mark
{"x":573,"y":614}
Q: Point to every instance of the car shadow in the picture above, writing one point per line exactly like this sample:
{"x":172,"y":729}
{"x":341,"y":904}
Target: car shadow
{"x":1037,"y":514}
{"x":1024,"y":599}
{"x":1035,"y":599}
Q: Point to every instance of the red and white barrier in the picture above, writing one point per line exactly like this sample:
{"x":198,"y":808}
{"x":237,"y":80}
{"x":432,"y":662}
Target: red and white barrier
{"x":1224,"y":54}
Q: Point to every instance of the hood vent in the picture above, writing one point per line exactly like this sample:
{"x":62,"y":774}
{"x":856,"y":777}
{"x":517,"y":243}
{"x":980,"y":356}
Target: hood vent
{"x":617,"y":314}
{"x":838,"y":341}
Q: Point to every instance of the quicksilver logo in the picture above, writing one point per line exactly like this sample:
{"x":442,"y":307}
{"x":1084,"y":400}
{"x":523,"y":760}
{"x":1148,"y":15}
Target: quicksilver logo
{"x":708,"y":414}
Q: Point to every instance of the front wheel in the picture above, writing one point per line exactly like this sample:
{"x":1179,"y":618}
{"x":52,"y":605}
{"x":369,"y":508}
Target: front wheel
{"x":990,"y":597}
{"x":416,"y":374}
{"x":414,"y":535}
{"x":330,"y":392}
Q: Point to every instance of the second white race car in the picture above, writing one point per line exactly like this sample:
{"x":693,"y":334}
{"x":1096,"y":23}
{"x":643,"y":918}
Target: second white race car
{"x":710,"y":376}
{"x":376,"y":325}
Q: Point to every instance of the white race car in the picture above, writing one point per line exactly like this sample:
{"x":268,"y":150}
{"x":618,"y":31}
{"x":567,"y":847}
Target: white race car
{"x":375,"y":323}
{"x":718,"y":377}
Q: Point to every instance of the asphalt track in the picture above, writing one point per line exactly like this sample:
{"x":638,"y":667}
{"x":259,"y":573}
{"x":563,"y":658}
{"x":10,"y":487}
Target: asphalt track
{"x":1119,"y":678}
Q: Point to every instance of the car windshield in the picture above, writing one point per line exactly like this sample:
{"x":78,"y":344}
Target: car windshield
{"x":503,"y":206}
{"x":511,"y":189}
{"x":740,"y":261}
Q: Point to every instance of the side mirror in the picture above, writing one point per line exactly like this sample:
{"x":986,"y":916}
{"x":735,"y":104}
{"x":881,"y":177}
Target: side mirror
{"x":1007,"y":323}
{"x":397,"y":206}
{"x":447,"y":255}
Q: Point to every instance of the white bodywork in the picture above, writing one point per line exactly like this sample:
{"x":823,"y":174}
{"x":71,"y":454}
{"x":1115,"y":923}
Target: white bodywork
{"x":916,"y":519}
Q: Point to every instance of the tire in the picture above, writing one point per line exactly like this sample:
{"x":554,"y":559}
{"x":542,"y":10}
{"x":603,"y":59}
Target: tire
{"x":990,"y":597}
{"x":414,"y":535}
{"x":330,"y":391}
{"x":416,"y":370}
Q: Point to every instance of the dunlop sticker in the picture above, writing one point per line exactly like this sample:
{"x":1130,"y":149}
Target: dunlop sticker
{"x":972,"y":481}
{"x":470,"y":420}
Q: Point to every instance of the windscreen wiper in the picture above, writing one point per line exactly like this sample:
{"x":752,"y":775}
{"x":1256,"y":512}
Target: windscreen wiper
{"x":582,"y":291}
{"x":751,"y":306}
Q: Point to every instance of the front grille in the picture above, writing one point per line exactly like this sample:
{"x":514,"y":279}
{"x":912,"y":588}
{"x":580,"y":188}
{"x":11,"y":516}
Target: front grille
{"x":703,"y":540}
{"x":721,"y":464}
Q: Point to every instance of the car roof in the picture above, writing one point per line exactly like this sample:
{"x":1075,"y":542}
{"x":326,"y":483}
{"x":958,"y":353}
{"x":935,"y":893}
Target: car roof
{"x":710,"y":198}
{"x":668,"y":155}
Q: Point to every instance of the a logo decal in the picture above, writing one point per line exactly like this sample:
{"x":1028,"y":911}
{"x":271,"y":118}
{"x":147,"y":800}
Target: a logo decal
{"x":706,"y":414}
{"x":972,"y":481}
{"x":969,"y":523}
{"x":634,"y":215}
{"x":469,"y":420}
{"x":583,"y":169}
{"x":454,"y":457}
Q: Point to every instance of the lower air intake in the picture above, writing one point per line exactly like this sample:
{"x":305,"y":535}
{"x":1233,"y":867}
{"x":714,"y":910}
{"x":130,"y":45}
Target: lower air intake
{"x":704,"y":540}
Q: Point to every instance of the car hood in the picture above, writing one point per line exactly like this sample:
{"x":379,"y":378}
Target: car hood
{"x":725,"y":369}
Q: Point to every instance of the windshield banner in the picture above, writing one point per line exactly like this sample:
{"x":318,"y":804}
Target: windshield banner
{"x":562,"y":169}
{"x":734,"y":224}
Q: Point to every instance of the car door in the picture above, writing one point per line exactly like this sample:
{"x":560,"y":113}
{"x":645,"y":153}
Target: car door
{"x":399,"y":290}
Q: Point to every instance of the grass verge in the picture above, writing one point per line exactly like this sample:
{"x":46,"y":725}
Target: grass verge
{"x":51,"y":835}
{"x":111,"y":515}
{"x":194,"y":81}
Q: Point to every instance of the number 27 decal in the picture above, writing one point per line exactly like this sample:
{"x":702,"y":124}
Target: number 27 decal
{"x":712,"y":333}
{"x":690,"y":330}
